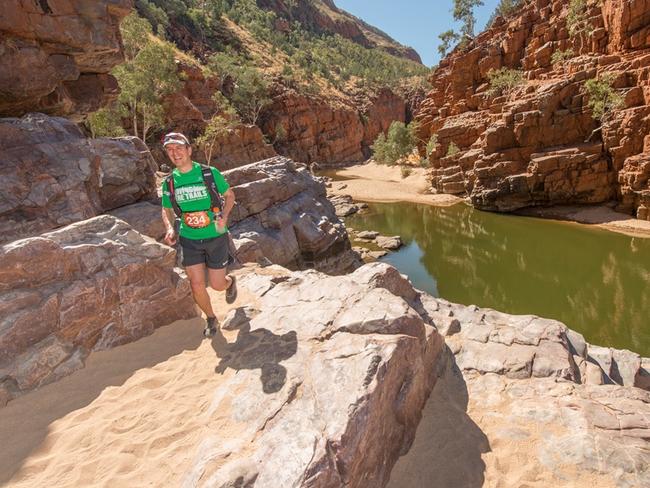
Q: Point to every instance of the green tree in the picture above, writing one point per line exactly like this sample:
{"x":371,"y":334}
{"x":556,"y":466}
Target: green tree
{"x":147,"y":76}
{"x":603,"y":99}
{"x":397,"y":144}
{"x":106,"y":122}
{"x":463,"y":11}
{"x":452,"y":149}
{"x":576,"y":20}
{"x":432,"y":144}
{"x":504,"y":80}
{"x":447,"y":39}
{"x":218,"y":126}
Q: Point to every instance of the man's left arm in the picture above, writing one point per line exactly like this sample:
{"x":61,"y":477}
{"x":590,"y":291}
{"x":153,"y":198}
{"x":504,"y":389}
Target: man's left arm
{"x":229,"y":203}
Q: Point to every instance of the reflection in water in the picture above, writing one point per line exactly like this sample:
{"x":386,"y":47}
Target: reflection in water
{"x":595,"y":281}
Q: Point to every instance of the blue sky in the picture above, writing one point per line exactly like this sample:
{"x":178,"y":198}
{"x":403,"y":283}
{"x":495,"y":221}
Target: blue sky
{"x":415,"y":23}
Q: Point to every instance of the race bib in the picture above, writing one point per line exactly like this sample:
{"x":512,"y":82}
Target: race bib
{"x":196,"y":220}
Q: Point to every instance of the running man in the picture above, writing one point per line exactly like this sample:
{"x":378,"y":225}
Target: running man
{"x":203,"y":230}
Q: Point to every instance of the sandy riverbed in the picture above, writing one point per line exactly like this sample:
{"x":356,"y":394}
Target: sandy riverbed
{"x":372,"y":182}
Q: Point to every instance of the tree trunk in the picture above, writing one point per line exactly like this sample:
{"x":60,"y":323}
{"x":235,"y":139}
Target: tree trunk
{"x":135,"y":118}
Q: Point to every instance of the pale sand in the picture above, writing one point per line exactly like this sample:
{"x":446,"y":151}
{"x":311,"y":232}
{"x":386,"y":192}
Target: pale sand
{"x":600,"y":216}
{"x":132,"y":417}
{"x":372,"y":182}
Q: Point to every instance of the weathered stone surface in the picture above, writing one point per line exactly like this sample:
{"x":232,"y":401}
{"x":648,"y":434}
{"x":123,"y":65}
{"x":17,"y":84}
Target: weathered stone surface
{"x":89,"y":286}
{"x":536,"y":145}
{"x":383,"y":367}
{"x":368,"y":234}
{"x":145,"y":217}
{"x":60,"y":54}
{"x":344,"y":205}
{"x":518,"y":405}
{"x":282,"y":214}
{"x":53,"y":176}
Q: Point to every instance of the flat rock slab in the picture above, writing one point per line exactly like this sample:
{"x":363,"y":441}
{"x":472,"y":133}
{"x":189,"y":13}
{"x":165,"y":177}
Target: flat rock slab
{"x":390,"y":243}
{"x":525,"y":401}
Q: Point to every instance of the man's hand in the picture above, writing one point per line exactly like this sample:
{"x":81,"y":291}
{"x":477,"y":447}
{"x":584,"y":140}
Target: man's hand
{"x":170,"y":237}
{"x":221,"y":223}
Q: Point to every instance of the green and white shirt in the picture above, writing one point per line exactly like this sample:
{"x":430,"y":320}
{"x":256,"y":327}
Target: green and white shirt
{"x":192,"y":196}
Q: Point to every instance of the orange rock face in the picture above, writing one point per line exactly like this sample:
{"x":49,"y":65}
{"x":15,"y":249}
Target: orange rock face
{"x":56,"y":55}
{"x":316,"y":130}
{"x":537,"y":144}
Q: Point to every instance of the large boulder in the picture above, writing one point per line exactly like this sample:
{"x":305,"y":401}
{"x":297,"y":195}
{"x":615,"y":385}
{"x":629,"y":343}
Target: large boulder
{"x":283,"y":215}
{"x":321,"y":386}
{"x":89,"y":286}
{"x":59,"y":54}
{"x":53,"y":176}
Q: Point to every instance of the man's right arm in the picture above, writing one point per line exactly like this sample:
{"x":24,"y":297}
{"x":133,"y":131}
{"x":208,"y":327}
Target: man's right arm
{"x":168,"y":217}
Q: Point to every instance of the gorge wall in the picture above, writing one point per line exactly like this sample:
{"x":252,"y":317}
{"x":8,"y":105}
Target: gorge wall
{"x":60,"y":54}
{"x":535,"y":145}
{"x":314,"y":128}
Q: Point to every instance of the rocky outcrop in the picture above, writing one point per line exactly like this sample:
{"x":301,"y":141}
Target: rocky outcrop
{"x":310,"y":370}
{"x":319,"y":370}
{"x":324,"y":17}
{"x":90,"y":286}
{"x":53,"y":176}
{"x":283,"y":215}
{"x":306,"y":128}
{"x":525,"y":400}
{"x":353,"y":333}
{"x":317,"y":130}
{"x":60,"y":54}
{"x":535,"y":145}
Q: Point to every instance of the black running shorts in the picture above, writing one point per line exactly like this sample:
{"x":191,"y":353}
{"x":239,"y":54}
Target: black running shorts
{"x":211,"y":252}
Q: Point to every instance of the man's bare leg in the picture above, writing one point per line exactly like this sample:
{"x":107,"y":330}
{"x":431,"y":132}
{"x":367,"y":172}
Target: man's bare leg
{"x":196,"y":274}
{"x":218,"y":279}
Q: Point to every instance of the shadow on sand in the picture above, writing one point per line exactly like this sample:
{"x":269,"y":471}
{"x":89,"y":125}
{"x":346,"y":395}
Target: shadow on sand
{"x":25,"y":421}
{"x":257,"y":349}
{"x":448,"y":444}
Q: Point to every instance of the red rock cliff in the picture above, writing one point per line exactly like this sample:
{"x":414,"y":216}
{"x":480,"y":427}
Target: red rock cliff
{"x":534,"y":145}
{"x":56,"y":55}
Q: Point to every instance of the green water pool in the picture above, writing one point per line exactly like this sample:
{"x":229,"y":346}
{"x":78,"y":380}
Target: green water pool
{"x":595,"y":281}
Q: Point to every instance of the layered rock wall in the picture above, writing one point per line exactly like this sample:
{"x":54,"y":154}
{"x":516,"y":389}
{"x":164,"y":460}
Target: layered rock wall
{"x":535,"y":145}
{"x":317,"y":130}
{"x":58,"y":55}
{"x":90,"y":286}
{"x":189,"y":110}
{"x":53,"y":176}
{"x":306,"y":128}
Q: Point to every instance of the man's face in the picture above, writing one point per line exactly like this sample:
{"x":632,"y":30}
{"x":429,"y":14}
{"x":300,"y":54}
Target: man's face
{"x":179,"y":154}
